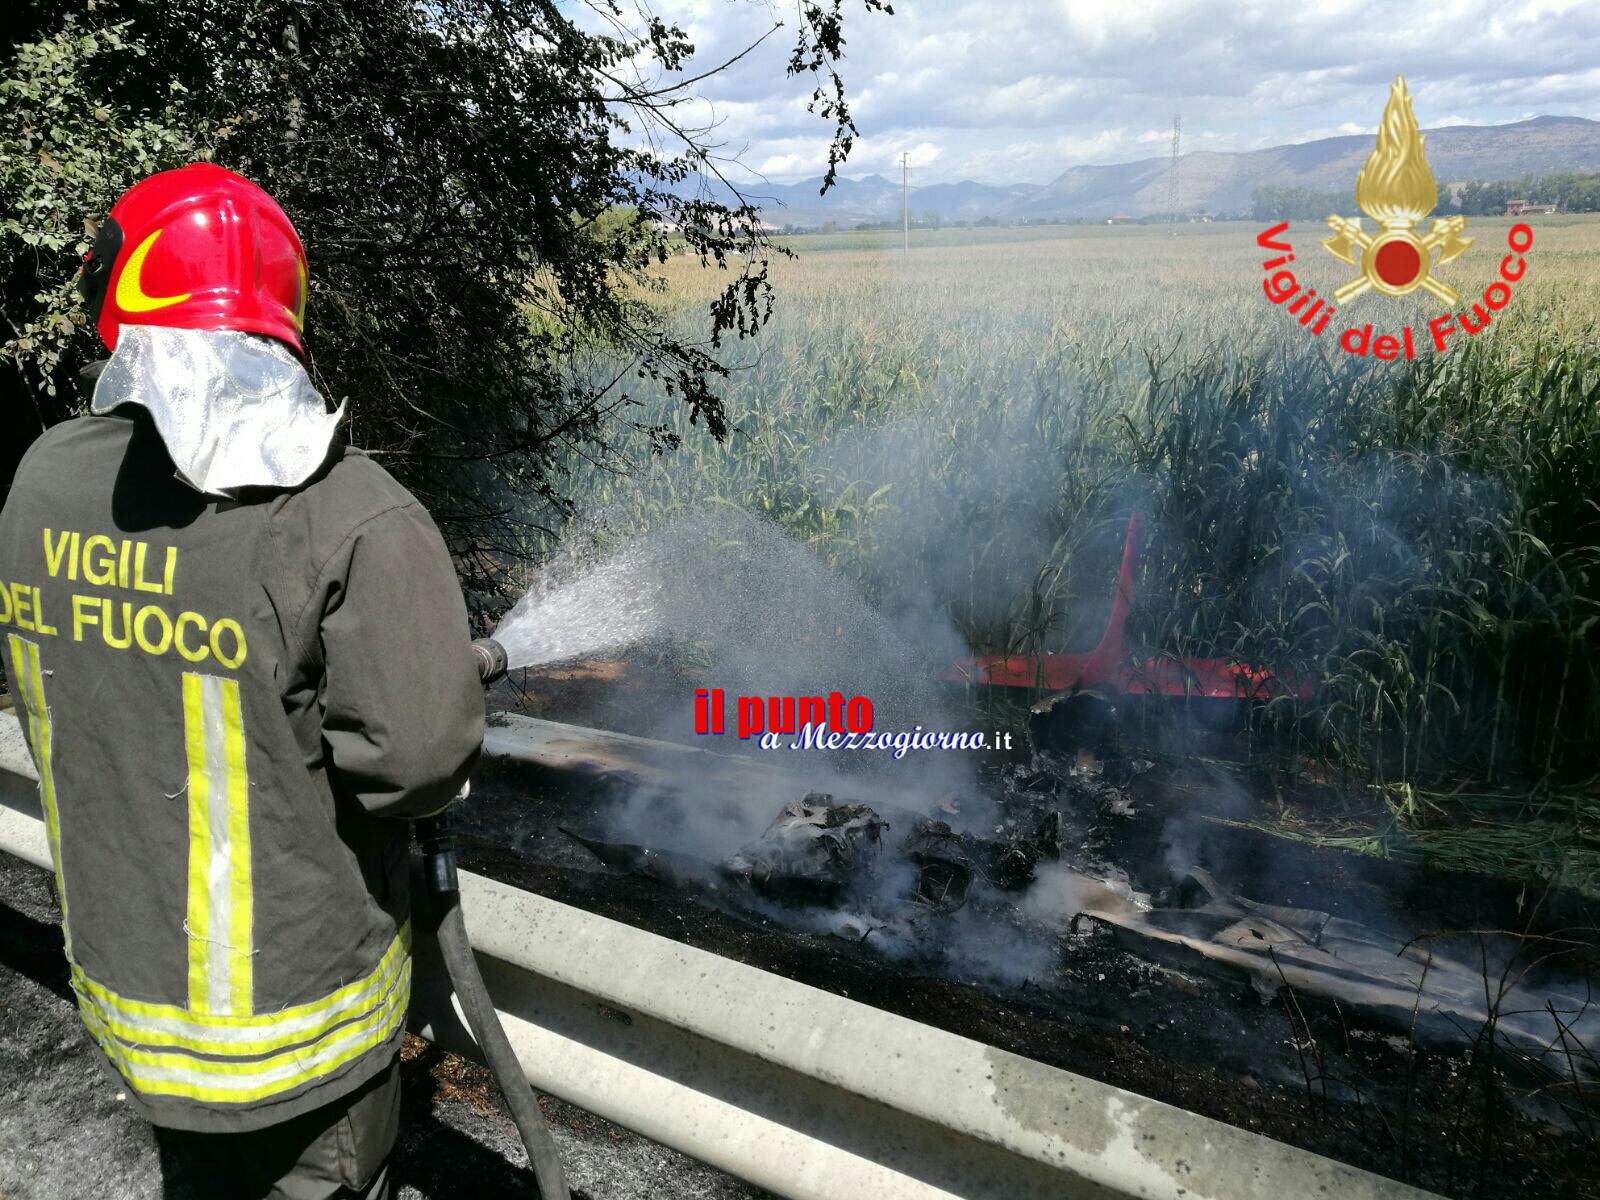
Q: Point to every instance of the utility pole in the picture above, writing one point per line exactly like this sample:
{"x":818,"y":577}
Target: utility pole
{"x":1172,"y":180}
{"x":905,"y":201}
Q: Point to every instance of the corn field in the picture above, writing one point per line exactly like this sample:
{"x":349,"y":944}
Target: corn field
{"x":963,"y":429}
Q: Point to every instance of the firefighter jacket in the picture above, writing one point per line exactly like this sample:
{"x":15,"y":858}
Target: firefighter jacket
{"x":228,"y":702}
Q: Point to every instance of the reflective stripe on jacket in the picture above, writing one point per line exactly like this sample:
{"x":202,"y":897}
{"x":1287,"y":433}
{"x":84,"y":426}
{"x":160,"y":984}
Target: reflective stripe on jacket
{"x":228,"y":702}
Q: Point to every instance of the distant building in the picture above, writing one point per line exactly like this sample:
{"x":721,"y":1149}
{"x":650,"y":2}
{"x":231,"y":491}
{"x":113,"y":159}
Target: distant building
{"x":1517,"y":208}
{"x":1120,"y":219}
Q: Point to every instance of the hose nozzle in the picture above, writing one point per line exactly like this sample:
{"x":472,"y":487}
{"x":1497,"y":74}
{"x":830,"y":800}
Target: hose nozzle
{"x":491,"y":657}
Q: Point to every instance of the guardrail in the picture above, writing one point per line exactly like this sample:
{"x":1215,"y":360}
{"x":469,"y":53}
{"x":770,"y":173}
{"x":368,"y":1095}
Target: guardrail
{"x":804,"y":1093}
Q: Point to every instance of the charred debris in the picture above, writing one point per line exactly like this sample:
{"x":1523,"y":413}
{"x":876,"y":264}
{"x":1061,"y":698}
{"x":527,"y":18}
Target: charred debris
{"x":821,"y":850}
{"x":1028,"y":863}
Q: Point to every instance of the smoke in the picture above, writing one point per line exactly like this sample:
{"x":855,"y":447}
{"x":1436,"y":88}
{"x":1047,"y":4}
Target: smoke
{"x":709,"y":826}
{"x":976,"y":525}
{"x":1060,"y":893}
{"x":736,"y":598}
{"x":1184,"y":836}
{"x":722,"y":599}
{"x":957,"y":512}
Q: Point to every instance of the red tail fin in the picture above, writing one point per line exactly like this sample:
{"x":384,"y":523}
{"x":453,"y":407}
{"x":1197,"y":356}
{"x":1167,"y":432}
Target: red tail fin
{"x":1106,"y":663}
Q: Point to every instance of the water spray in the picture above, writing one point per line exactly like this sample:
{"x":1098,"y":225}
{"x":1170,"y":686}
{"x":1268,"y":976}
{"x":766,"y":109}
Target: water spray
{"x":436,"y":837}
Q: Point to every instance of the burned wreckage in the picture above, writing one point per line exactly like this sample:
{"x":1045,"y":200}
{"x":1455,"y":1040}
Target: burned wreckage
{"x":821,"y":852}
{"x":1028,"y":869}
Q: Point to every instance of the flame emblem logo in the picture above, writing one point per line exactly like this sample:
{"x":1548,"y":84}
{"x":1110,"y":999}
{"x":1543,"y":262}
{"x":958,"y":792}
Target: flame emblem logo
{"x":1397,"y":190}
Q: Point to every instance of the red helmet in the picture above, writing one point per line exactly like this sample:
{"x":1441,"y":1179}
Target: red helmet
{"x":197,"y":248}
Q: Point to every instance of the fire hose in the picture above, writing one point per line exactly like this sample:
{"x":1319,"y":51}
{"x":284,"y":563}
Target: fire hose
{"x":436,"y":837}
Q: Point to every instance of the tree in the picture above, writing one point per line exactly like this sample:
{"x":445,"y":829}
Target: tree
{"x":1273,"y":203}
{"x":1568,"y":189}
{"x":484,"y":189}
{"x":1481,"y":199}
{"x":65,"y":155}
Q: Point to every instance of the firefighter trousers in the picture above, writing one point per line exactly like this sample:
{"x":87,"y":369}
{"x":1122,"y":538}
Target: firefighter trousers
{"x":338,"y":1152}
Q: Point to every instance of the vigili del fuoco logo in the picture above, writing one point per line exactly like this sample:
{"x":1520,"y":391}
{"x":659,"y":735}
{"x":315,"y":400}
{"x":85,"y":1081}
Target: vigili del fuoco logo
{"x":1396,"y":189}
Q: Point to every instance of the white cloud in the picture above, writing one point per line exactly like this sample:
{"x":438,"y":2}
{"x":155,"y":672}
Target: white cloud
{"x":1009,"y":90}
{"x":779,"y":166}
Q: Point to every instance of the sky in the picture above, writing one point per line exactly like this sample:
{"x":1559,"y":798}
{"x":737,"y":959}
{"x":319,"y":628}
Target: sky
{"x":1010,"y":91}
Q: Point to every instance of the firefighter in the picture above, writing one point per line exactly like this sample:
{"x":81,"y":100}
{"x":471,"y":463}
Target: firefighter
{"x":241,"y":657}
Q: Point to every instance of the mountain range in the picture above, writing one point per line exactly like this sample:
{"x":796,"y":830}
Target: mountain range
{"x":1215,"y":182}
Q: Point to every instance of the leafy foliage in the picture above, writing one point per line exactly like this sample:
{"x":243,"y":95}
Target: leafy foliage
{"x":485,"y":190}
{"x":1569,"y":190}
{"x":65,"y":156}
{"x":1273,"y":203}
